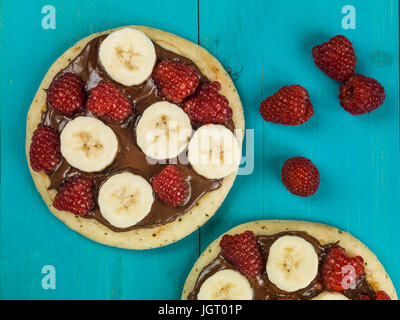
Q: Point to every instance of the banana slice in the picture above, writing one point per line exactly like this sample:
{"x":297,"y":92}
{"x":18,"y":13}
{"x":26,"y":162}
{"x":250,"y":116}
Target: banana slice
{"x":128,"y":56}
{"x":214,"y":152}
{"x":226,"y":285}
{"x":125,"y":199}
{"x":88,"y":144}
{"x":292,"y":263}
{"x":326,"y":295}
{"x":163,"y":131}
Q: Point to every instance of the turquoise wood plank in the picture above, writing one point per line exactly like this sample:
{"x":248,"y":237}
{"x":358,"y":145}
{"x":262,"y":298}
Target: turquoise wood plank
{"x":268,"y":45}
{"x":30,"y":237}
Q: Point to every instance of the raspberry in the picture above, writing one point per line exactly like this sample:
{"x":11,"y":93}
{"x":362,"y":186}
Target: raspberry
{"x":243,"y":252}
{"x":289,"y":106}
{"x":340,"y":272}
{"x":207,"y":105}
{"x":108,"y":101}
{"x":45,"y":151}
{"x":361,"y":94}
{"x":382,"y":295}
{"x":336,"y":58}
{"x":66,"y":94}
{"x":76,"y":196}
{"x":170,"y":186}
{"x":300,"y":176}
{"x":176,"y":80}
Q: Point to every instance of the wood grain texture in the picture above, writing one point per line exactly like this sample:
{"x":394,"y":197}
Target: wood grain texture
{"x":266,"y":44}
{"x":30,"y":237}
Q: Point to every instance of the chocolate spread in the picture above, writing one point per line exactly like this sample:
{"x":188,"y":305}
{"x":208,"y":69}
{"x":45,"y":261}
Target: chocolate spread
{"x":265,"y":290}
{"x":130,"y":157}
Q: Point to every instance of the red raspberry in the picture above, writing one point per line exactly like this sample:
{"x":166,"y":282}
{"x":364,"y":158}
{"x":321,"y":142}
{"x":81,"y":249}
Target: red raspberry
{"x":76,"y":196}
{"x":207,"y":105}
{"x":300,"y":176}
{"x":45,"y":151}
{"x":382,"y":295}
{"x":361,"y":94}
{"x":108,"y":101}
{"x":243,"y":252}
{"x":336,"y":58}
{"x":66,"y":94}
{"x":289,"y":106}
{"x":340,"y":272}
{"x":176,"y":80}
{"x":170,"y":186}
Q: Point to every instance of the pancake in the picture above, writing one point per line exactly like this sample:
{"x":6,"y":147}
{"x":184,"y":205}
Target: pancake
{"x":205,"y":207}
{"x":375,"y":273}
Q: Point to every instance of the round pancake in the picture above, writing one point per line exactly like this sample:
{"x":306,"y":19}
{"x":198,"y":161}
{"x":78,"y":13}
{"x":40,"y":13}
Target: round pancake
{"x":144,"y":238}
{"x":375,"y":272}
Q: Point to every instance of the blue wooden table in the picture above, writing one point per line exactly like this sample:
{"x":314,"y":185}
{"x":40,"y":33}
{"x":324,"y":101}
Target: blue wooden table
{"x":266,"y":44}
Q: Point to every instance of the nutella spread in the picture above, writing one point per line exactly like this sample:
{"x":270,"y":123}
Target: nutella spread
{"x":129,"y":156}
{"x":266,"y":290}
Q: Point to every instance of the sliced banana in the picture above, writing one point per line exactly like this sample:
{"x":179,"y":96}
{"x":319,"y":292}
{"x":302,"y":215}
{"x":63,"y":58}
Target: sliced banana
{"x":163,"y":131}
{"x":125,"y":199}
{"x":128,"y":56}
{"x":326,"y":295}
{"x":214,"y":152}
{"x":226,"y":285}
{"x":88,"y":144}
{"x":292,"y":263}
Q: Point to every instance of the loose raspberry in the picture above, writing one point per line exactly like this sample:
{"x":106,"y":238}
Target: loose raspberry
{"x":176,"y":80}
{"x":108,"y":101}
{"x":300,"y":176}
{"x":67,"y":94}
{"x":289,"y":106}
{"x":361,"y":94}
{"x":336,"y":58}
{"x":243,"y":252}
{"x":364,"y":297}
{"x":45,"y":151}
{"x":382,"y":295}
{"x":170,"y":186}
{"x":76,"y":196}
{"x":340,"y":272}
{"x":207,"y":105}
